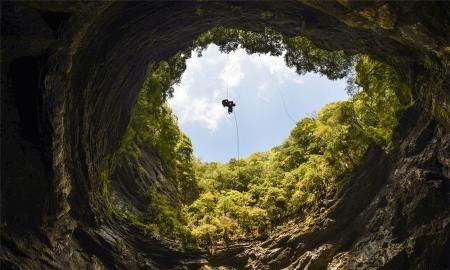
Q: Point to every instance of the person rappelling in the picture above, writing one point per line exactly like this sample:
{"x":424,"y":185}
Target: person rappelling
{"x":230,"y":104}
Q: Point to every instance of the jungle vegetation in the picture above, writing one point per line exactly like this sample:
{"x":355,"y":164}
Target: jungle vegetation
{"x":248,"y":198}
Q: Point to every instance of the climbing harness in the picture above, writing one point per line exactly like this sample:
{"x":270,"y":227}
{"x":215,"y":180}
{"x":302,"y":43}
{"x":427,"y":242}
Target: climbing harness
{"x":228,"y":103}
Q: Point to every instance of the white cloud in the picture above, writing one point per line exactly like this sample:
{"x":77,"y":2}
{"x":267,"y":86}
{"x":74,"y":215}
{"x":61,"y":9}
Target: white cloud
{"x":232,"y":74}
{"x":197,"y":98}
{"x":217,"y":94}
{"x":262,"y":92}
{"x":277,"y":67}
{"x":205,"y":112}
{"x":193,"y":101}
{"x":298,"y":81}
{"x":211,"y":61}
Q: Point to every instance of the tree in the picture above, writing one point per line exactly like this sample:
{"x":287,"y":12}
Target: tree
{"x":245,"y":198}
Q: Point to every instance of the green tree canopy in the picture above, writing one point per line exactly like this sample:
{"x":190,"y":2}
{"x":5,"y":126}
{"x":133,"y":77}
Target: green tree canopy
{"x":247,"y":198}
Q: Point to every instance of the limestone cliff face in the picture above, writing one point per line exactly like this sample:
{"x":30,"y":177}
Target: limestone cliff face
{"x":391,"y":214}
{"x":134,"y":175}
{"x":70,"y":76}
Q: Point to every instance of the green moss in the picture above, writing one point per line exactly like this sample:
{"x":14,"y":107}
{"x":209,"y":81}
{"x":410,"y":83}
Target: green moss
{"x":246,"y":199}
{"x":199,"y":11}
{"x":265,"y":14}
{"x":441,"y":111}
{"x":104,"y":182}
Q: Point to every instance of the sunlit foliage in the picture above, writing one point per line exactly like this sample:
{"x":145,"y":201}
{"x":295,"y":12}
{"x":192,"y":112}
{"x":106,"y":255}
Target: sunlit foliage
{"x":248,"y":198}
{"x":299,"y":52}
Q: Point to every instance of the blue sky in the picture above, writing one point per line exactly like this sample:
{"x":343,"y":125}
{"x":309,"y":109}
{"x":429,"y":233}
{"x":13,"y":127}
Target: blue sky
{"x":258,"y":84}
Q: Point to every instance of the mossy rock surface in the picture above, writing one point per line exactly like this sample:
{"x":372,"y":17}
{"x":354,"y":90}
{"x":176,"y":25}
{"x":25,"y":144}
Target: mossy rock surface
{"x":83,"y":69}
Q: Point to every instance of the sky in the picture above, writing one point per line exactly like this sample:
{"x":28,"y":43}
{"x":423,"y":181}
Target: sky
{"x":270,"y":98}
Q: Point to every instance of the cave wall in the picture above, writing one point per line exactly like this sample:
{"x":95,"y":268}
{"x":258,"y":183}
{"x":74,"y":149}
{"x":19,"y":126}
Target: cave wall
{"x":134,"y":174}
{"x":88,"y":61}
{"x":107,"y":71}
{"x":391,"y":213}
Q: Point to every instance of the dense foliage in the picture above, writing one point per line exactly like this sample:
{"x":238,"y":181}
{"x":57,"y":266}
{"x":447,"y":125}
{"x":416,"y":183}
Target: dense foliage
{"x":299,"y":52}
{"x":248,"y":198}
{"x":154,"y":128}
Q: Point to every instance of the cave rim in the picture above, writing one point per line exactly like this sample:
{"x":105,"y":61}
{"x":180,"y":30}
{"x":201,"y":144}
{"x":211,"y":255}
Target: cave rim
{"x":198,"y":54}
{"x":84,"y":174}
{"x":85,"y":171}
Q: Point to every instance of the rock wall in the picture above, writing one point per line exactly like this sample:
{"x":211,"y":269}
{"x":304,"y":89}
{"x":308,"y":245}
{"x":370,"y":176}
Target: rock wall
{"x":70,"y":76}
{"x":392,"y":213}
{"x":134,"y":175}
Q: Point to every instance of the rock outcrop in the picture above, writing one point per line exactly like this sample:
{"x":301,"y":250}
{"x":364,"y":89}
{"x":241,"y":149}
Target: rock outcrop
{"x":71,"y":73}
{"x":391,"y":214}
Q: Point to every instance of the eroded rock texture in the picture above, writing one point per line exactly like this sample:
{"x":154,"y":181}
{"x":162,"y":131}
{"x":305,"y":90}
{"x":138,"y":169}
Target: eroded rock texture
{"x":71,"y":73}
{"x":391,"y":214}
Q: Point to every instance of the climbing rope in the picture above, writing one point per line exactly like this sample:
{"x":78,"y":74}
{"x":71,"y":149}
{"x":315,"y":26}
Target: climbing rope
{"x":237,"y":134}
{"x":226,"y":80}
{"x":285,"y":107}
{"x":230,"y":104}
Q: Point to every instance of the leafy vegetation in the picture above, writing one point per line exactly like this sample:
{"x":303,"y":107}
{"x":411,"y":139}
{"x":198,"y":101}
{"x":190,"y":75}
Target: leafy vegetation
{"x":252,"y":196}
{"x":247,"y":198}
{"x":299,"y":52}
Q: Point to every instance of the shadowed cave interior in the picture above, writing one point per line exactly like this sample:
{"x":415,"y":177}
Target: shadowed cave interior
{"x":72,"y":74}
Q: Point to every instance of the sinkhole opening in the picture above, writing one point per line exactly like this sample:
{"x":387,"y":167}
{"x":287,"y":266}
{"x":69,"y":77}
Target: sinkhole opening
{"x":270,"y":99}
{"x":326,"y":109}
